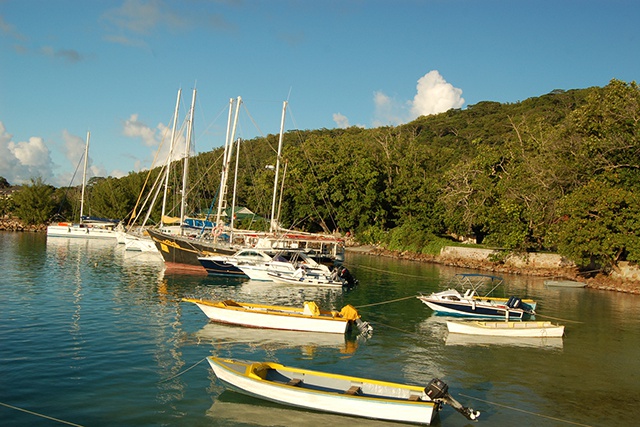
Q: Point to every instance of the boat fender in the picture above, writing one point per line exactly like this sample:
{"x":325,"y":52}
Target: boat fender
{"x":438,"y":391}
{"x":349,"y":312}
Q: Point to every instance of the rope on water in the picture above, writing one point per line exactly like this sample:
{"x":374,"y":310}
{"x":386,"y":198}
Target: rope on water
{"x":183,"y":372}
{"x":39,"y":415}
{"x":364,"y":267}
{"x":385,"y":302}
{"x":557,"y":318}
{"x":525,"y":411}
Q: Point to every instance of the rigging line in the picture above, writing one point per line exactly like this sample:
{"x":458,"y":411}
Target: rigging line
{"x":183,"y":372}
{"x":525,"y":411}
{"x":386,"y":302}
{"x":39,"y":415}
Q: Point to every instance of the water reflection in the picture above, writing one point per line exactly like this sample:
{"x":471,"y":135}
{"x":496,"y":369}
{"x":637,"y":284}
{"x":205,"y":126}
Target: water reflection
{"x":237,"y":408}
{"x":471,"y":340}
{"x":271,"y":340}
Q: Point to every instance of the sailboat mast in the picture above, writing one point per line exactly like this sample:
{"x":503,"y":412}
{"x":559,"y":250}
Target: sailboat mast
{"x":84,"y":175}
{"x":166,"y":177}
{"x":235,"y":186}
{"x":187,"y":153}
{"x":272,"y":228}
{"x":227,"y":159}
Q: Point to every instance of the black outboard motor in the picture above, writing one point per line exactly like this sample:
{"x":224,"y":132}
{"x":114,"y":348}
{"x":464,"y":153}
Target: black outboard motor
{"x":514,"y":302}
{"x":438,"y":391}
{"x":344,"y":274}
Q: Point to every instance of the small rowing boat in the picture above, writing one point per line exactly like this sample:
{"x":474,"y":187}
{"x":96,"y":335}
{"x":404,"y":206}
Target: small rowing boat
{"x":308,"y":318}
{"x":506,"y":329}
{"x":339,"y":394}
{"x":564,"y":284}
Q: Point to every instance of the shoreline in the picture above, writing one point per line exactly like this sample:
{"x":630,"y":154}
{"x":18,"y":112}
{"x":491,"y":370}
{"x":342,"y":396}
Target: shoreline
{"x":599,"y":282}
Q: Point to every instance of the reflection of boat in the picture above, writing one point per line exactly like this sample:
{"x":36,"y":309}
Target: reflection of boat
{"x":479,"y":340}
{"x":240,"y":409}
{"x":469,"y":303}
{"x":274,"y":338}
{"x":506,"y":329}
{"x":340,"y":394}
{"x":308,"y":318}
{"x":564,"y":284}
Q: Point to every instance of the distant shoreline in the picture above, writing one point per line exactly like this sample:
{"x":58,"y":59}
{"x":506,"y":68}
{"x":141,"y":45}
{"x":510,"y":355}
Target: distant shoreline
{"x":599,"y":282}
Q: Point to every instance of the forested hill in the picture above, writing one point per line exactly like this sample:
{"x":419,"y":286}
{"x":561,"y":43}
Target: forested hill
{"x":559,"y":172}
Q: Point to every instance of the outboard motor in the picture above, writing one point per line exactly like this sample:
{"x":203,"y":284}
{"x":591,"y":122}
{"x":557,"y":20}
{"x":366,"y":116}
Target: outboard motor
{"x":514,"y":302}
{"x":346,"y":275}
{"x":438,"y":391}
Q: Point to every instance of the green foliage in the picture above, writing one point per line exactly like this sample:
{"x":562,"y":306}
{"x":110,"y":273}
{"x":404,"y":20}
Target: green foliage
{"x":515,"y":176}
{"x":4,"y":183}
{"x":34,"y":204}
{"x":599,"y":225}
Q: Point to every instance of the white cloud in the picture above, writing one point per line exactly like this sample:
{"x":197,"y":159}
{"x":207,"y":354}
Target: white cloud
{"x":433,"y":95}
{"x":158,"y":138}
{"x":21,"y":161}
{"x":341,"y":120}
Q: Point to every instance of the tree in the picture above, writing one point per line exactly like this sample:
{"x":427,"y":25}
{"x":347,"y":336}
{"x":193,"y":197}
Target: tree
{"x":4,"y":183}
{"x":34,"y":203}
{"x":599,"y":225}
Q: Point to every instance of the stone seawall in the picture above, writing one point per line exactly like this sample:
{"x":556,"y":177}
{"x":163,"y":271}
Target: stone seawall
{"x":11,"y":224}
{"x":626,"y":277}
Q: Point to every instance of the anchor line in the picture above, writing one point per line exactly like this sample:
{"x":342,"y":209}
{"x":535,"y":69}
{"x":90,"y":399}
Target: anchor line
{"x":6,"y":405}
{"x":525,"y":411}
{"x":183,"y":372}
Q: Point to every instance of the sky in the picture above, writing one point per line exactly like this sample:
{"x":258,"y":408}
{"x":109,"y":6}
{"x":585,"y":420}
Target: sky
{"x":114,"y":68}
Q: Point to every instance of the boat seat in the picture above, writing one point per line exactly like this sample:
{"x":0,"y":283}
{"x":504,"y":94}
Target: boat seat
{"x":295,"y":382}
{"x":354,"y":390}
{"x":414,"y":398}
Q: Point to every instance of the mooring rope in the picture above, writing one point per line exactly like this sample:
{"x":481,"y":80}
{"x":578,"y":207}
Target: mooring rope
{"x":386,"y":302}
{"x":557,"y":318}
{"x":526,"y":412}
{"x":389,"y":272}
{"x":183,"y":372}
{"x":39,"y":415}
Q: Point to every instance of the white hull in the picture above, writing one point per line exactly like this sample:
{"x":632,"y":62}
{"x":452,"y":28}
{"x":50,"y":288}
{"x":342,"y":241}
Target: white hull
{"x":507,"y":329}
{"x":397,"y":408}
{"x":564,"y":284}
{"x":83,"y":232}
{"x":139,"y":243}
{"x":284,"y":318}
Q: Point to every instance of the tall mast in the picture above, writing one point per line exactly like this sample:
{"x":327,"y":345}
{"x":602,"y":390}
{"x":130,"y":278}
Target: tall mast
{"x":187,"y":153}
{"x":166,"y":177}
{"x":235,"y":186}
{"x":228,"y":152}
{"x":84,"y":175}
{"x":272,"y":228}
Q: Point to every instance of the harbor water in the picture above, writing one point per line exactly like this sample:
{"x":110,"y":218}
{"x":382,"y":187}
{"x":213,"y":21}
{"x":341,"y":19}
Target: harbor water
{"x":92,"y":335}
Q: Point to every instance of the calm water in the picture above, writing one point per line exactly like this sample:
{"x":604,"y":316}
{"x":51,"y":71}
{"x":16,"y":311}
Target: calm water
{"x":94,"y":336}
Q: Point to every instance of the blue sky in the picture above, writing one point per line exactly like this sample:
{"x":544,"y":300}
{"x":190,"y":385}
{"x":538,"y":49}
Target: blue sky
{"x":114,"y":68}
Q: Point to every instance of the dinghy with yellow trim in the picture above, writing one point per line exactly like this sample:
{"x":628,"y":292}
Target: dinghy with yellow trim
{"x":531,"y":329}
{"x":339,"y":394}
{"x":308,"y":318}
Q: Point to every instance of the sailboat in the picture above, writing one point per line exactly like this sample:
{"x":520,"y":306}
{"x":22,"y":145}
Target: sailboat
{"x":88,"y":227}
{"x":138,"y":238}
{"x":189,"y":251}
{"x":180,"y":245}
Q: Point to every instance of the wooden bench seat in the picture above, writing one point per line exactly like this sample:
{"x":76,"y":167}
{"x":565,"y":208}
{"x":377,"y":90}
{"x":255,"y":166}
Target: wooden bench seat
{"x":354,"y":390}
